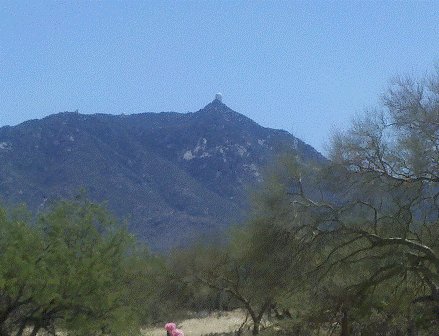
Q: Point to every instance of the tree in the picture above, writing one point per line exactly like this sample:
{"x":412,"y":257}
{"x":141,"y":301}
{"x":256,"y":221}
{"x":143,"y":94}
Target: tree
{"x":378,"y":208}
{"x":84,"y":267}
{"x":69,"y":269}
{"x":261,"y":262}
{"x":219,"y":270}
{"x":21,"y":250}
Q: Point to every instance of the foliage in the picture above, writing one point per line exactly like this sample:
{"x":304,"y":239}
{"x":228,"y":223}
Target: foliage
{"x":376,"y":217}
{"x":350,"y":246}
{"x":259,"y":266}
{"x":74,"y":268}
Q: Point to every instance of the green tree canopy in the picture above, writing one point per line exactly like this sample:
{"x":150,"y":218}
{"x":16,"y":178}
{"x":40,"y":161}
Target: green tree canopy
{"x":74,"y":268}
{"x":377,"y":210}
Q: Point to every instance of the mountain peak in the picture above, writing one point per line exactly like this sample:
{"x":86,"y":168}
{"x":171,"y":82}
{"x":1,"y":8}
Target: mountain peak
{"x":217,"y":105}
{"x":186,"y":173}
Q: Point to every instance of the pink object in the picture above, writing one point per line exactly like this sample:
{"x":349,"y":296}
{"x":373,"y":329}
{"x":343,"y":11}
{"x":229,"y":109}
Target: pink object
{"x":170,"y":327}
{"x":177,"y":332}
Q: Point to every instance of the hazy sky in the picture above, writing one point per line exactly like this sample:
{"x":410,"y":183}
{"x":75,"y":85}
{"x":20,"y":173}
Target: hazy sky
{"x":297,"y":65}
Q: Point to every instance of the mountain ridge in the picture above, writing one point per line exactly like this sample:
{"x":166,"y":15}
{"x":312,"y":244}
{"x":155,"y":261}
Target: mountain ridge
{"x":176,"y":175}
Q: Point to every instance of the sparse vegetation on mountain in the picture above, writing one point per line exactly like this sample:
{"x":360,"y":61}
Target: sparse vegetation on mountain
{"x":173,"y":175}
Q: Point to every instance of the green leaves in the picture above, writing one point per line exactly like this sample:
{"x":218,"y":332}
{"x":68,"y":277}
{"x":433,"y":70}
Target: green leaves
{"x":67,"y":269}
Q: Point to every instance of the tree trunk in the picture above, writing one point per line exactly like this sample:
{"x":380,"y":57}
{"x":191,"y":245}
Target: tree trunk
{"x":258,"y":318}
{"x":22,"y":327}
{"x":256,"y":327}
{"x":345,"y":323}
{"x":411,"y":330}
{"x":256,"y":322}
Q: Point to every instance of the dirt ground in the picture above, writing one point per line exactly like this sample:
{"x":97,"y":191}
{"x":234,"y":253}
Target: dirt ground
{"x":214,"y":323}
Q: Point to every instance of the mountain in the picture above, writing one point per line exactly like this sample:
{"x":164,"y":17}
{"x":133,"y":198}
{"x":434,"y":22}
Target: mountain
{"x":172,"y":175}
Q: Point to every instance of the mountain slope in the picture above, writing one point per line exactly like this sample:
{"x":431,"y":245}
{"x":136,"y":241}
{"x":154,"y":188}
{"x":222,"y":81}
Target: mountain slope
{"x":172,"y":175}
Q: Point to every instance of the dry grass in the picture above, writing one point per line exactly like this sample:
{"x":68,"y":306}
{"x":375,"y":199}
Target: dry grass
{"x":214,"y":323}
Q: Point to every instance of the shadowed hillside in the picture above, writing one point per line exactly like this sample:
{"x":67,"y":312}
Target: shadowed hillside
{"x":171,"y":175}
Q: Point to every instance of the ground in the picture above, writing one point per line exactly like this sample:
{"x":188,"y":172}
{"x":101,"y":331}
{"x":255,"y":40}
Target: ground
{"x":222,"y":322}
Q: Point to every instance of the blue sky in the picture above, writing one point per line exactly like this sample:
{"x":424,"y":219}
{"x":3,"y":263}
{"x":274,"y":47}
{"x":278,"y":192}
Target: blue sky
{"x":297,"y":65}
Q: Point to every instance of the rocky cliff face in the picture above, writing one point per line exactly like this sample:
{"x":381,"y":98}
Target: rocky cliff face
{"x":172,"y":176}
